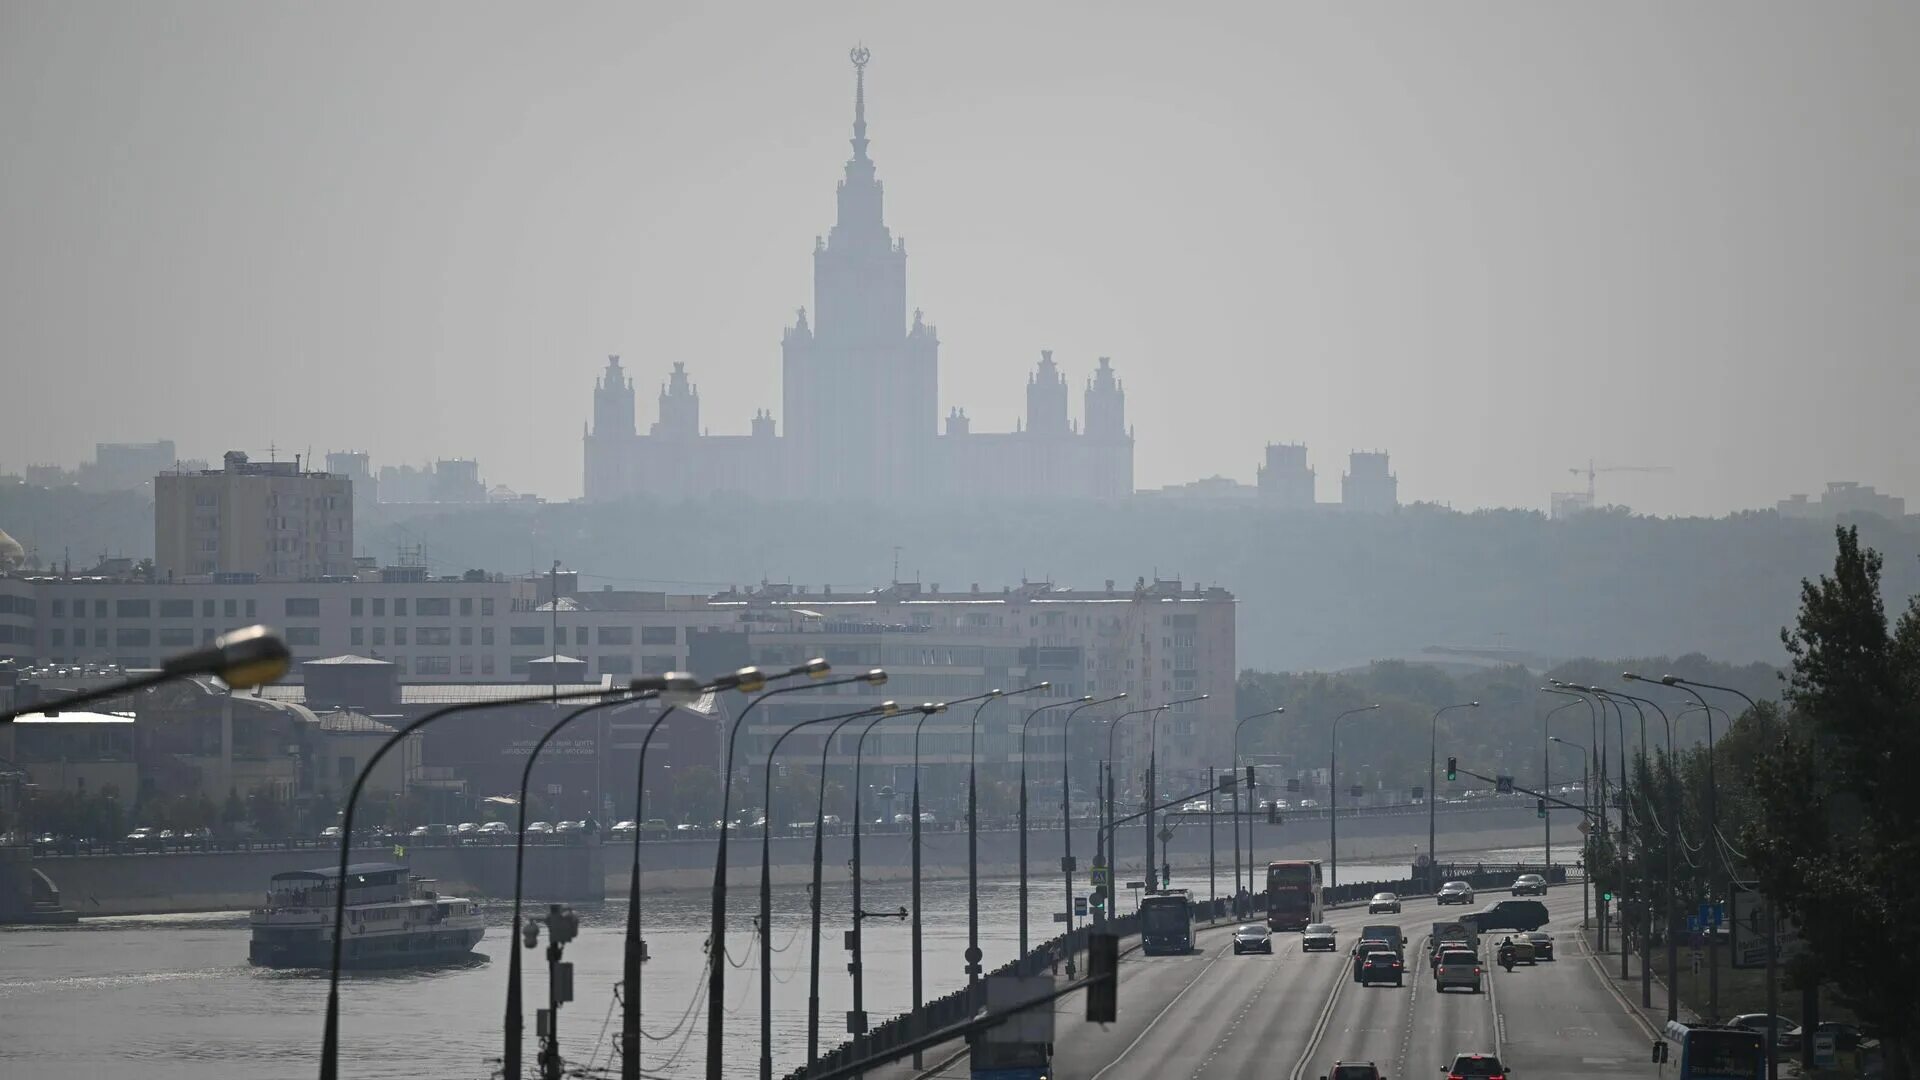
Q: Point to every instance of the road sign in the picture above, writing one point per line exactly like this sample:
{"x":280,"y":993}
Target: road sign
{"x":1080,"y":906}
{"x":1584,"y":828}
{"x":1705,"y":918}
{"x":1136,"y":884}
{"x":1102,"y":877}
{"x":1693,"y":924}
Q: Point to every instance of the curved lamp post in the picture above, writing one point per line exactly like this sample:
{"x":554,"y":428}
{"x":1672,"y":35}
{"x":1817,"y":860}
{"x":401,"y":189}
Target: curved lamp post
{"x":1153,"y":771}
{"x":885,"y":708}
{"x":1024,"y":724}
{"x":973,"y":954}
{"x":1066,"y":814}
{"x":1433,"y":747}
{"x":1104,"y":844}
{"x":1333,"y":791}
{"x":243,"y":659}
{"x":766,"y":879}
{"x":1672,"y":829}
{"x":816,"y":670}
{"x":1546,"y":774}
{"x":857,"y":1020}
{"x":330,"y":1044}
{"x":515,"y":1020}
{"x":1253,"y":805}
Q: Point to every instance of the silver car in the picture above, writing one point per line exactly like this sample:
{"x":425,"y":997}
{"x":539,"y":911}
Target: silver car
{"x":1454,"y":892}
{"x":1317,"y":936}
{"x":1457,"y":967}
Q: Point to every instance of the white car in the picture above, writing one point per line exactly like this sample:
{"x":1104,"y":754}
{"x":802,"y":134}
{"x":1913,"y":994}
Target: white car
{"x":494,"y":828}
{"x":1382,"y":903}
{"x":624,"y":828}
{"x":466,"y":828}
{"x":543,"y":828}
{"x":331,"y":832}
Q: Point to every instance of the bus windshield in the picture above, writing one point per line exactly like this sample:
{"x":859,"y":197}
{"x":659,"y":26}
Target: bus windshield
{"x":1164,"y":917}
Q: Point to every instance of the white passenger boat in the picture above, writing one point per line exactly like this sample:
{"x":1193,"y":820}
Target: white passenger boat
{"x":392,"y":919}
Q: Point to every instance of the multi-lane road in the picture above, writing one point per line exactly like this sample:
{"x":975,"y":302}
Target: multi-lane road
{"x":1212,"y":1014}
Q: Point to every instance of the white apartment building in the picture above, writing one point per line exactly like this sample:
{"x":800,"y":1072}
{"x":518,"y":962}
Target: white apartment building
{"x":252,"y":520}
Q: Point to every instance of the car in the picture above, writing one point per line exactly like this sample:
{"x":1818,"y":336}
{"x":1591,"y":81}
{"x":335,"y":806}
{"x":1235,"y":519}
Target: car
{"x":1379,"y":966}
{"x":1309,"y":804}
{"x":898,"y":819}
{"x":1252,"y":937}
{"x":1317,"y":937}
{"x":1388,"y":933}
{"x":1541,"y":941}
{"x":1529,"y":885}
{"x":1457,"y":967}
{"x":624,"y":828}
{"x":1353,"y":1070}
{"x":1383,"y":902}
{"x":1509,"y":915}
{"x":466,"y":828}
{"x":493,"y":828}
{"x":1364,"y":948}
{"x":567,"y":828}
{"x":1475,"y":1067}
{"x":331,"y":832}
{"x":418,"y":832}
{"x":927,"y":818}
{"x":542,"y":828}
{"x":1454,"y":892}
{"x":1786,"y":1032}
{"x":1433,"y":958}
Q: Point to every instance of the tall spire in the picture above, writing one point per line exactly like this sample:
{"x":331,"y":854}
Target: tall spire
{"x":859,"y":55}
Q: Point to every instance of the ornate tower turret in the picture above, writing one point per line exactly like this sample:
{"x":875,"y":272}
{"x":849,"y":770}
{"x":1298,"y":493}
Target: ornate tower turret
{"x":613,"y":402}
{"x":1047,"y":398}
{"x":1106,"y":404}
{"x":679,"y":406}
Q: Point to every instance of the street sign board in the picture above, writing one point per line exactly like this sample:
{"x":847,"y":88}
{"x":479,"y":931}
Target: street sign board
{"x":1584,"y":827}
{"x":1749,"y":930}
{"x":1693,"y":924}
{"x":1102,"y":877}
{"x":1705,"y":918}
{"x":1136,"y":884}
{"x":1080,"y":906}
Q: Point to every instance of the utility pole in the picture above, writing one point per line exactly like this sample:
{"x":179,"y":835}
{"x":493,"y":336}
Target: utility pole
{"x":553,"y":602}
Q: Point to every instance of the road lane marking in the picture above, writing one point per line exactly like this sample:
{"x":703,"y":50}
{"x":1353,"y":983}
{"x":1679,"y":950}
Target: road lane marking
{"x":1155,"y":1022}
{"x":1320,"y":1027}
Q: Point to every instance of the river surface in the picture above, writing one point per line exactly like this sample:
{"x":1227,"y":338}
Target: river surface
{"x":161,"y":997}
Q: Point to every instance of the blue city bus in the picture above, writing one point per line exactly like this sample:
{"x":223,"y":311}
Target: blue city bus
{"x":1704,"y":1052}
{"x":1166,"y":923}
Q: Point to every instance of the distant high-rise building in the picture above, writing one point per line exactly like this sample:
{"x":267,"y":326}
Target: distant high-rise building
{"x":253,"y":520}
{"x":1285,"y":479}
{"x":1367,"y":485}
{"x":1843,"y":497}
{"x":357,"y":467}
{"x":860,"y":396}
{"x":126,"y":466}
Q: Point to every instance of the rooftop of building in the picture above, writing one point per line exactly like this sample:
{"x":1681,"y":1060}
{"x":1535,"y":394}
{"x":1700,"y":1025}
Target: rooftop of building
{"x":912,"y":592}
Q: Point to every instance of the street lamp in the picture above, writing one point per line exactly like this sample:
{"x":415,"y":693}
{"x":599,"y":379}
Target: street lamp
{"x":330,"y":1042}
{"x":1333,"y":788}
{"x":1586,"y":796}
{"x":914,"y":843}
{"x":1597,"y":786}
{"x":885,"y":708}
{"x":1153,"y":775}
{"x":1672,"y":830}
{"x":1546,"y":776}
{"x":766,"y":880}
{"x":817,"y":671}
{"x":515,"y":1020}
{"x":1104,"y":842}
{"x":1433,"y":748}
{"x":243,"y":659}
{"x":1024,"y":724}
{"x":974,"y":954}
{"x":1253,"y":804}
{"x":857,"y":1019}
{"x":1066,"y":813}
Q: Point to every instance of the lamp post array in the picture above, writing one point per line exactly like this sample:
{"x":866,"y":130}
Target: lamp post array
{"x":1024,"y":725}
{"x":973,"y":954}
{"x":1586,"y":796}
{"x":1153,"y":774}
{"x":1433,"y":748}
{"x":1333,"y":790}
{"x":1066,"y":811}
{"x":1253,"y":805}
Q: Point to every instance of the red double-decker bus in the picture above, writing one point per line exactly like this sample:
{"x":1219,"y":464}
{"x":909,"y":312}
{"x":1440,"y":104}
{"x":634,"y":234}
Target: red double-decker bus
{"x":1293,"y":894}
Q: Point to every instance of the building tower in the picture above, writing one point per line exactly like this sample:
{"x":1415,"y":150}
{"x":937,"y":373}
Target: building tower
{"x":858,"y":385}
{"x":1367,"y":484}
{"x":1285,"y":479}
{"x":1105,"y":404}
{"x":679,"y":406}
{"x":609,"y":443}
{"x":1046,"y":398}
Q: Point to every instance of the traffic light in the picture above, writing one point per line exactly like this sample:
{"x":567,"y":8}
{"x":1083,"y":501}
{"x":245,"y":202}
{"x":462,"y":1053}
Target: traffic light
{"x":1540,"y":809}
{"x":1453,"y":769}
{"x":1250,"y":782}
{"x":1166,"y":876}
{"x":1607,"y":897}
{"x":562,"y":923}
{"x":1103,"y":978}
{"x":1273,"y":813}
{"x":530,"y":933}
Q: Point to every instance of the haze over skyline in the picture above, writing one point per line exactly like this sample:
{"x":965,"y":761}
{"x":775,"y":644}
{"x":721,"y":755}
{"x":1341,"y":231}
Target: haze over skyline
{"x":1690,"y":245}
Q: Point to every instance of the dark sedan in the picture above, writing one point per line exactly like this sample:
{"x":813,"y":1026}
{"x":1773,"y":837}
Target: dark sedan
{"x":1541,"y":941}
{"x":1253,"y":937}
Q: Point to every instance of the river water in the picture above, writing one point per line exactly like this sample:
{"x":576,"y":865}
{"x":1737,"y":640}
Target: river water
{"x":172,"y":996}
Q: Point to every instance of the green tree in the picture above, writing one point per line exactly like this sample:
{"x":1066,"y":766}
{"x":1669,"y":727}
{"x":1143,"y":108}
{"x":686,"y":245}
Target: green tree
{"x":1835,"y":844}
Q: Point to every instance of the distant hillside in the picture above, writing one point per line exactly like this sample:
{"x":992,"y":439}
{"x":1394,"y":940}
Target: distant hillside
{"x":1318,"y":591}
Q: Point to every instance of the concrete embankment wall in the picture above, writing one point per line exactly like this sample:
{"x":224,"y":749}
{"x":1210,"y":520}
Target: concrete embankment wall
{"x":233,"y":880}
{"x":673,"y":865}
{"x":217,"y":881}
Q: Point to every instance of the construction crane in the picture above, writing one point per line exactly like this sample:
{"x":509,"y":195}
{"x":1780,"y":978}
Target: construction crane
{"x":1591,"y":469}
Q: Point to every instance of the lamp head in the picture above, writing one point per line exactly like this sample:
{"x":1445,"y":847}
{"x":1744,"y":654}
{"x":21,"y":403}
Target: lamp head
{"x":816,"y":668}
{"x":1086,"y":697}
{"x":243,"y":658}
{"x":878,"y":677}
{"x":1045,"y":684}
{"x":676,"y":688}
{"x":1375,"y":705}
{"x":1631,"y":677}
{"x":1671,"y":680}
{"x":747,"y":680}
{"x":1473,"y":704}
{"x":995,"y":692}
{"x":886,"y":708}
{"x":931,"y":707}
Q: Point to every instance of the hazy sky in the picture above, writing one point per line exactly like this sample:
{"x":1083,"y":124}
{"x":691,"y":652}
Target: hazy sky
{"x":1495,"y":240}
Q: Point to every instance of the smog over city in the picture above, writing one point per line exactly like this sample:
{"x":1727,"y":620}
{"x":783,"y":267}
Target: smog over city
{"x":927,"y":540}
